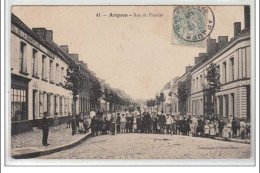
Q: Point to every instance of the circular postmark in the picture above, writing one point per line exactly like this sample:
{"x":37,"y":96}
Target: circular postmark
{"x":193,"y":23}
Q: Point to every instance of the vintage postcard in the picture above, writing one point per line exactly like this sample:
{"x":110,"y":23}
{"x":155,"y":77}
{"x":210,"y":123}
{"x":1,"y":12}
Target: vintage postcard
{"x":139,"y":82}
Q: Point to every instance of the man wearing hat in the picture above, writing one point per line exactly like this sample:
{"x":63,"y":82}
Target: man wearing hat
{"x":118,"y":119}
{"x":45,"y":129}
{"x":162,"y":121}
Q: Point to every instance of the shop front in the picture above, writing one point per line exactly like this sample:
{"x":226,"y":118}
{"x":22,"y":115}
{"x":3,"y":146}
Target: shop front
{"x":19,"y":104}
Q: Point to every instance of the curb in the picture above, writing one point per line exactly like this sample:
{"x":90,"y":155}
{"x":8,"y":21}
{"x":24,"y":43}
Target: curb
{"x":51,"y":150}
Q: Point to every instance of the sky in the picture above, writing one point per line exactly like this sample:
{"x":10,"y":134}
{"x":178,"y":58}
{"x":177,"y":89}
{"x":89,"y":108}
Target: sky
{"x":133,"y":54}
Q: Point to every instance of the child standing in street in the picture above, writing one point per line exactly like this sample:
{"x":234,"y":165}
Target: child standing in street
{"x":212,"y":130}
{"x":225,"y":132}
{"x":206,"y":130}
{"x":68,"y":120}
{"x":56,"y":121}
{"x":229,"y":126}
{"x":81,"y":125}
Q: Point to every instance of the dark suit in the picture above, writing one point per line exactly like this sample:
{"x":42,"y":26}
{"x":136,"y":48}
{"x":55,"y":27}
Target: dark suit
{"x":45,"y":130}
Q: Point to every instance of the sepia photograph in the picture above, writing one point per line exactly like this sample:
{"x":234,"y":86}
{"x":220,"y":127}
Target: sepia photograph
{"x":107,"y":82}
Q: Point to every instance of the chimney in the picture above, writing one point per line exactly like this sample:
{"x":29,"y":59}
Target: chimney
{"x":65,"y":48}
{"x":202,"y":55}
{"x":222,"y":41}
{"x":197,"y":59}
{"x":75,"y":56}
{"x":49,"y":35}
{"x":86,"y":65}
{"x":237,"y":28}
{"x":187,"y":68}
{"x":211,"y":46}
{"x":44,"y":34}
{"x":247,"y":16}
{"x":41,"y":32}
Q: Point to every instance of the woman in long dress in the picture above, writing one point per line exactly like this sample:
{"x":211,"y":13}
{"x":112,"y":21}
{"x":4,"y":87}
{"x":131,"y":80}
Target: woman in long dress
{"x":134,"y":124}
{"x":206,"y":130}
{"x":225,"y":132}
{"x":212,"y":130}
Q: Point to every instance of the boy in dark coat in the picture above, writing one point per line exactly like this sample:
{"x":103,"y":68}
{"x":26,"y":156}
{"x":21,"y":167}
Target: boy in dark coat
{"x":234,"y":128}
{"x":68,"y":120}
{"x":127,"y":123}
{"x":146,"y":122}
{"x":73,"y":125}
{"x":118,"y":123}
{"x":162,"y":122}
{"x":131,"y":121}
{"x":112,"y":125}
{"x":155,"y":123}
{"x":93,"y":126}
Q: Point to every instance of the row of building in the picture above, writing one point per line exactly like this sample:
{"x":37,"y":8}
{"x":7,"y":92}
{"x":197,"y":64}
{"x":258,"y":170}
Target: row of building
{"x":38,"y":77}
{"x":233,"y":61}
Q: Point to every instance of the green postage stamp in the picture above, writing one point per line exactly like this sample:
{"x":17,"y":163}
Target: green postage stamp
{"x":192,"y":25}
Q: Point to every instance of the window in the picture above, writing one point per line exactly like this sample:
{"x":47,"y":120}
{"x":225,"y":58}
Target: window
{"x":62,"y":76}
{"x":43,"y":67}
{"x":55,"y":103}
{"x":224,"y":78}
{"x":51,"y":71}
{"x":65,"y":105}
{"x":86,"y":104}
{"x":201,"y":107}
{"x":57,"y":73}
{"x":194,"y":87}
{"x":23,"y":60}
{"x":232,"y":108}
{"x":220,"y":105}
{"x":18,"y":104}
{"x":200,"y":81}
{"x":197,"y":83}
{"x":61,"y":105}
{"x":41,"y":104}
{"x":231,"y":69}
{"x":49,"y":103}
{"x":80,"y":104}
{"x":226,"y":106}
{"x":35,"y":62}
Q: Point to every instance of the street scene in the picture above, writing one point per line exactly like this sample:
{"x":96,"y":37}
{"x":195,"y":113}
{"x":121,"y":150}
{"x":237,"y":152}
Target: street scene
{"x":167,"y":83}
{"x":139,"y":146}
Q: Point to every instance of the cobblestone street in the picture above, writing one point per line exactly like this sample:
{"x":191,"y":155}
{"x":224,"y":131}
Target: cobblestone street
{"x":153,"y":146}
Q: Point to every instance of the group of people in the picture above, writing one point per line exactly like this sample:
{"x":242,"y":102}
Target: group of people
{"x":134,"y":122}
{"x":211,"y":126}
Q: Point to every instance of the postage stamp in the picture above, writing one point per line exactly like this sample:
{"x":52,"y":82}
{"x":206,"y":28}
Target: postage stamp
{"x":192,"y":25}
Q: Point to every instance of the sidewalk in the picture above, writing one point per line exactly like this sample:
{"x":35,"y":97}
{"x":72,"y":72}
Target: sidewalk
{"x":23,"y":146}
